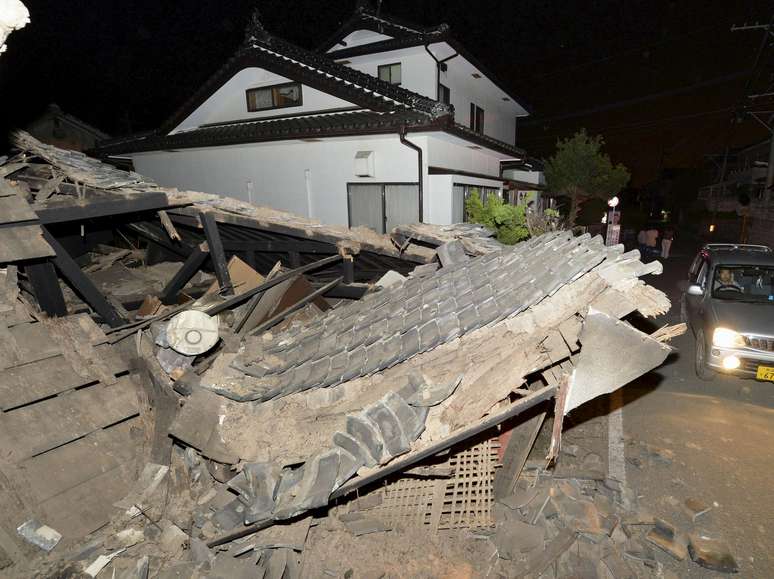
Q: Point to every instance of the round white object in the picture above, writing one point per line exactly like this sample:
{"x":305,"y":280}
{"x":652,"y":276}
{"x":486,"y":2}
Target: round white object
{"x":192,"y":332}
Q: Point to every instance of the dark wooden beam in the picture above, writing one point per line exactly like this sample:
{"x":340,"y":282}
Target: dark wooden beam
{"x":184,"y":274}
{"x":348,"y":265}
{"x":45,"y":286}
{"x":217,"y":254}
{"x":82,"y":284}
{"x":178,"y":248}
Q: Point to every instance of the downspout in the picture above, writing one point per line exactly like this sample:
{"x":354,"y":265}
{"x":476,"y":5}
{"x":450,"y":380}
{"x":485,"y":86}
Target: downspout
{"x":438,"y":64}
{"x":420,"y":170}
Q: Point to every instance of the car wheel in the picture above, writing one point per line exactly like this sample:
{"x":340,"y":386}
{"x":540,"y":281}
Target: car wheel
{"x":702,"y":370}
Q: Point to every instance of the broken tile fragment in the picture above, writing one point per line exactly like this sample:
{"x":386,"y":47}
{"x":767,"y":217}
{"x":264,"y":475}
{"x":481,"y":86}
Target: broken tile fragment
{"x":362,"y":429}
{"x":395,"y":441}
{"x":665,"y":537}
{"x":352,"y":445}
{"x":711,"y":553}
{"x":695,"y":508}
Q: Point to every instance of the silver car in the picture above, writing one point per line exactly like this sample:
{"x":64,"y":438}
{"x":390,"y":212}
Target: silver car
{"x":729,"y":305}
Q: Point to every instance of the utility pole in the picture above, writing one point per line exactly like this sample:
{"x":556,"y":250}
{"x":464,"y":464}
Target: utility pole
{"x":753,"y":108}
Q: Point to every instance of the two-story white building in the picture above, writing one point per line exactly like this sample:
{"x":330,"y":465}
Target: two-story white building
{"x":386,"y":123}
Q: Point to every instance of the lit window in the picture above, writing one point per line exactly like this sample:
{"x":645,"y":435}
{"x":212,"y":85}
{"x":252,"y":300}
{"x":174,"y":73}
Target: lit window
{"x":274,"y":97}
{"x":390,"y":73}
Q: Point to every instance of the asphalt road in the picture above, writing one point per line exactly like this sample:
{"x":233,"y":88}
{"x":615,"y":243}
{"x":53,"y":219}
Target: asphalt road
{"x":711,"y":441}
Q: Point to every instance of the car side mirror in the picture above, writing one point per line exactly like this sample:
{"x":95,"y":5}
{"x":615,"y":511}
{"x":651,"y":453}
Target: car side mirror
{"x":695,"y":290}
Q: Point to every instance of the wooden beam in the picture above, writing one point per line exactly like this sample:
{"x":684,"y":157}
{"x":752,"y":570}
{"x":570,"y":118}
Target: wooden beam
{"x":82,"y":284}
{"x":132,"y":327}
{"x":45,"y":286}
{"x":349,"y":269}
{"x":181,"y":249}
{"x":218,"y":255}
{"x":283,"y":246}
{"x":184,"y":274}
{"x":96,"y":208}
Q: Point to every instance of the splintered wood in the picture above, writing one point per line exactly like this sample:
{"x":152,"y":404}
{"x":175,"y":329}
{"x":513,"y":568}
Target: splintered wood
{"x":462,"y":500}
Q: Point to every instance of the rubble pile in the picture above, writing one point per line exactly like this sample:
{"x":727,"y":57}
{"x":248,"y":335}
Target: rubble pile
{"x":289,"y":373}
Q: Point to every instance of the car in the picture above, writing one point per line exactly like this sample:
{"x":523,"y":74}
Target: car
{"x":729,"y":306}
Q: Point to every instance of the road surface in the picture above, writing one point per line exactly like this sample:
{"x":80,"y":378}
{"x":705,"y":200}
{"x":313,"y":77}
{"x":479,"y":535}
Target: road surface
{"x":712,"y":441}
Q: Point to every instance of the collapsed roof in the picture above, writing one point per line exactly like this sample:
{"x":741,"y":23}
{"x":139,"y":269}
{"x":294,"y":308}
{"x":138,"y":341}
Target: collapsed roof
{"x":290,"y":405}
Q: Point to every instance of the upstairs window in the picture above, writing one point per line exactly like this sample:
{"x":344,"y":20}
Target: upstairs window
{"x":476,"y":118}
{"x":278,"y":96}
{"x":389,"y":73}
{"x":444,"y":94}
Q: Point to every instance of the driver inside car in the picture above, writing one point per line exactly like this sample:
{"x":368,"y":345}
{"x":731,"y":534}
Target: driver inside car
{"x":725,"y":279}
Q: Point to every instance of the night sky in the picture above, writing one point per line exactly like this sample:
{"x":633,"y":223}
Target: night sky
{"x":658,"y":79}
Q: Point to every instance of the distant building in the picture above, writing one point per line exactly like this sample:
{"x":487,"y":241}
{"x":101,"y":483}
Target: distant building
{"x":385,"y":123}
{"x":56,"y":127}
{"x":744,"y":175}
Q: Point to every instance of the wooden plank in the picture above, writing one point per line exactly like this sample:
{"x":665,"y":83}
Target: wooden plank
{"x":37,"y":380}
{"x":63,"y":468}
{"x":37,"y":428}
{"x":520,"y":444}
{"x":22,"y":243}
{"x":183,"y":275}
{"x":106,"y":205}
{"x":218,"y":255}
{"x":14,"y":209}
{"x":45,"y":285}
{"x":67,"y":266}
{"x":34,"y":342}
{"x":87,"y":506}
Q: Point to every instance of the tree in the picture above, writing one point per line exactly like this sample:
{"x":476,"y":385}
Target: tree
{"x":581,"y":171}
{"x":508,"y":221}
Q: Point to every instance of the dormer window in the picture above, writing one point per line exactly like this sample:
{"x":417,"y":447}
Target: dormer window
{"x":278,"y":96}
{"x":389,"y":73}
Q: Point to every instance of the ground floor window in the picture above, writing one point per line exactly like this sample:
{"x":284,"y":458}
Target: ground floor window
{"x":382,"y":206}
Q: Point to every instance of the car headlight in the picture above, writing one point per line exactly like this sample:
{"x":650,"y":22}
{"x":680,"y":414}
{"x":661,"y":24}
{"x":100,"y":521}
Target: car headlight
{"x":725,"y":338}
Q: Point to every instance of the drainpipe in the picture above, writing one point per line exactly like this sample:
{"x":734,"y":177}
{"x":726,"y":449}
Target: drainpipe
{"x":420,"y":171}
{"x":438,"y":64}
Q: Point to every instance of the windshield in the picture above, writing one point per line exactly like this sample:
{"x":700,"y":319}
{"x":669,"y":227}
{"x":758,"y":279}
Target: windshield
{"x":746,"y":283}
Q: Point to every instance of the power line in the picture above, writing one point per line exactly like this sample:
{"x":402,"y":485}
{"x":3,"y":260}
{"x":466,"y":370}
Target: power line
{"x":638,"y":100}
{"x":652,"y":123}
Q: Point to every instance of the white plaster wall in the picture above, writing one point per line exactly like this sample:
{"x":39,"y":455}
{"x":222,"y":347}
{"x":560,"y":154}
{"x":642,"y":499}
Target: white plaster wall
{"x":229,"y":102}
{"x":360,"y":37}
{"x":450,"y":153}
{"x":278,"y":172}
{"x":439,"y":193}
{"x":535,"y":177}
{"x":417,"y":68}
{"x":499,"y":115}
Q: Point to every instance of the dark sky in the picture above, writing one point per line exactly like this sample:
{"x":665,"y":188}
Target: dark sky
{"x":657,"y":79}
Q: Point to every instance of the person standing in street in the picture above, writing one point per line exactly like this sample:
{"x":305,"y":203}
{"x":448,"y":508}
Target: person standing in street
{"x":666,"y":242}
